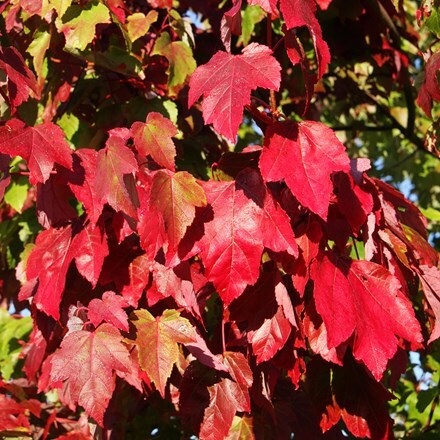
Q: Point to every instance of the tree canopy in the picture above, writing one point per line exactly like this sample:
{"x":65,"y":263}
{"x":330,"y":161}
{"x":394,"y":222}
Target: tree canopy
{"x":219,"y":220}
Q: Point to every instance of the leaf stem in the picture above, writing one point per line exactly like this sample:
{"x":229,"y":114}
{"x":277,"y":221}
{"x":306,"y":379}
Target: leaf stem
{"x":273,"y":101}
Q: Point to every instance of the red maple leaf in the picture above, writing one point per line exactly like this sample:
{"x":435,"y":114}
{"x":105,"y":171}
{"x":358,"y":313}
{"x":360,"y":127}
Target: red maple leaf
{"x":232,"y":245}
{"x":114,"y":181}
{"x":90,"y":249}
{"x":270,"y":337}
{"x":304,"y":155}
{"x":21,"y":80}
{"x":363,"y":299}
{"x":109,"y":309}
{"x":226,"y":82}
{"x":90,"y":384}
{"x":430,"y":89}
{"x":41,"y":146}
{"x":299,"y":13}
{"x":49,"y":261}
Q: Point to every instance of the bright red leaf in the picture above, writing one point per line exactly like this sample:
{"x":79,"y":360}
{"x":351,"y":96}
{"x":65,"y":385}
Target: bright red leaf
{"x":49,"y":261}
{"x":109,"y":309}
{"x":270,"y":337}
{"x":226,"y":82}
{"x":90,"y":384}
{"x":41,"y":146}
{"x":363,"y":299}
{"x":304,"y":155}
{"x":298,"y":13}
{"x":219,"y":415}
{"x":90,"y":249}
{"x":114,"y":183}
{"x":232,"y":246}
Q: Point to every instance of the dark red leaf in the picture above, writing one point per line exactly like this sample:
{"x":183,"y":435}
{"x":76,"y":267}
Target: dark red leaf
{"x":20,"y":79}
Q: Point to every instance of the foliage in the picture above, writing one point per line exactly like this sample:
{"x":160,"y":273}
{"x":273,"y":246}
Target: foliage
{"x":190,"y":217}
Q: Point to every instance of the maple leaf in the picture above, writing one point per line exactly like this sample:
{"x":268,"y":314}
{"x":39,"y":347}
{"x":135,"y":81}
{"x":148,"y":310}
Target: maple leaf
{"x":157,"y":340}
{"x":232,"y":245}
{"x":138,"y":24}
{"x":78,"y":24}
{"x":242,"y":428}
{"x":226,"y":82}
{"x":175,"y":196}
{"x":109,"y":309}
{"x":270,"y":337}
{"x":180,"y":57}
{"x":139,"y":272}
{"x":82,"y":182}
{"x":49,"y":261}
{"x":299,"y":13}
{"x":430,"y":279}
{"x":12,"y":416}
{"x":240,"y":371}
{"x":41,"y":146}
{"x":430,"y":89}
{"x":220,"y":413}
{"x":304,"y":155}
{"x":364,"y":299}
{"x":270,"y":6}
{"x":154,"y":138}
{"x":21,"y":80}
{"x":231,"y":24}
{"x":90,"y":384}
{"x":90,"y":249}
{"x":113,"y":182}
{"x":275,"y":223}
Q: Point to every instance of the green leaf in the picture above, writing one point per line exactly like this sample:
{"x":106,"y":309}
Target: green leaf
{"x":37,"y":49}
{"x":180,"y":57}
{"x":79,"y":23}
{"x":251,"y":16}
{"x":16,"y":193}
{"x":12,"y":330}
{"x":433,"y":21}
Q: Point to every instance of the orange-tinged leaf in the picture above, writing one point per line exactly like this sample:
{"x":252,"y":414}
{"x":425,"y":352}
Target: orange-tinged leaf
{"x":176,"y":196}
{"x":242,"y":429}
{"x":157,"y":340}
{"x":154,"y":138}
